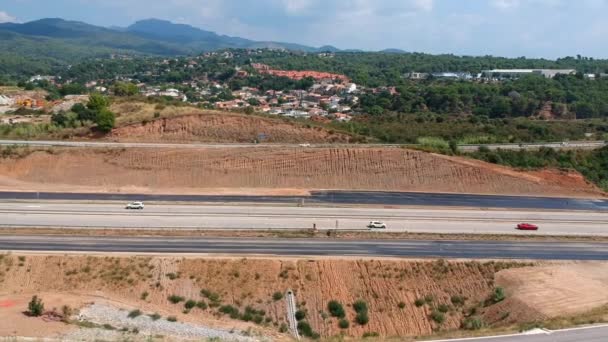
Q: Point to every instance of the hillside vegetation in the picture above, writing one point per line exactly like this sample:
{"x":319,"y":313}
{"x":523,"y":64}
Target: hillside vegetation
{"x":592,"y":164}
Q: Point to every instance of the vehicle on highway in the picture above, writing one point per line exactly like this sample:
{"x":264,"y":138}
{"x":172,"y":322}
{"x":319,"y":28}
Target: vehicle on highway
{"x":527,"y":226}
{"x":376,"y":225}
{"x":135,"y":206}
{"x":305,"y":145}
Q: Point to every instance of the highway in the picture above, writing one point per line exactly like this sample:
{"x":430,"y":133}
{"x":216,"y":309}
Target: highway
{"x":571,"y":145}
{"x":583,"y":334}
{"x":338,"y":198}
{"x":312,"y":247}
{"x":242,"y":217}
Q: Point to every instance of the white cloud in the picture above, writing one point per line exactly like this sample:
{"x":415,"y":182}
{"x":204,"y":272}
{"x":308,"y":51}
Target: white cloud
{"x":505,"y":4}
{"x":296,"y":6}
{"x":6,"y":18}
{"x":425,"y":5}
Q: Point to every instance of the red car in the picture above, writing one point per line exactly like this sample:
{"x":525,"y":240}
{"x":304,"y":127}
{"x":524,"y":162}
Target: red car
{"x":527,"y":226}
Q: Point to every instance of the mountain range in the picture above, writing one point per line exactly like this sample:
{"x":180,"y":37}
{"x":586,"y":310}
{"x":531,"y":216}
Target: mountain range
{"x":63,"y":40}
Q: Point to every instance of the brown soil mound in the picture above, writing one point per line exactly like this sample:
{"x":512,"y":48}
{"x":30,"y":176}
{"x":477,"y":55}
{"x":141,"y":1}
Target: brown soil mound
{"x":224,"y":128}
{"x":383,"y":285}
{"x":558,"y":290}
{"x":264,"y":168}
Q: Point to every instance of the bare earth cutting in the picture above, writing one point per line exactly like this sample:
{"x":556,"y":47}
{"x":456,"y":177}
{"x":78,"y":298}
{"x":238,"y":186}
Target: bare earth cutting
{"x":279,"y":170}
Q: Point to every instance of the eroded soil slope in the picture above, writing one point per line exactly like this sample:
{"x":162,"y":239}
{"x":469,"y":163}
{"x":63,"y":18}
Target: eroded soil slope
{"x":259,"y":169}
{"x":389,"y":288}
{"x":224,"y":128}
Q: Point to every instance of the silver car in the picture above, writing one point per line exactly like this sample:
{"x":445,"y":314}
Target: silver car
{"x":377,"y":225}
{"x":135,"y":205}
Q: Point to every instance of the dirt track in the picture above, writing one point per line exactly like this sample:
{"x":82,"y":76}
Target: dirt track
{"x":268,"y":170}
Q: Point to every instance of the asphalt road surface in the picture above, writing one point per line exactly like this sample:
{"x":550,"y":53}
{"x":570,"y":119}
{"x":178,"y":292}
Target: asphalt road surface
{"x":162,"y":216}
{"x":586,"y":334}
{"x":340,"y":197}
{"x":312,"y":247}
{"x":586,"y":145}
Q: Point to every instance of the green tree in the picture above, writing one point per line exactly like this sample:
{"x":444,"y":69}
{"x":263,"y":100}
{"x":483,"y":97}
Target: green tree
{"x":105,"y":120}
{"x":97,"y":102}
{"x":125,"y":89}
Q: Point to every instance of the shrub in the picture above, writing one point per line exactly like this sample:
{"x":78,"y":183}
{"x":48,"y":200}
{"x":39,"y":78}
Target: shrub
{"x":212,"y":296}
{"x":300,"y":315}
{"x":172,"y":276}
{"x":201,"y":305}
{"x":457,"y":300}
{"x":144,"y":295}
{"x":190,"y":304}
{"x":498,"y":295}
{"x":401,"y":305}
{"x":172,"y":319}
{"x":443,"y":308}
{"x":175,"y":299}
{"x":229,"y":310}
{"x":35,"y":307}
{"x":277,"y":296}
{"x":360,"y":306}
{"x":134,"y":313}
{"x":336,"y":309}
{"x":437,"y":316}
{"x":283,"y":328}
{"x":428,"y":299}
{"x":362,"y":318}
{"x":305,"y":330}
{"x":473,"y":323}
{"x":370,"y":334}
{"x":343,"y":324}
{"x":419,"y":302}
{"x":155,"y":316}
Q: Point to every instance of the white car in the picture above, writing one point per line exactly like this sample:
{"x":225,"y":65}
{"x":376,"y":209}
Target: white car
{"x":376,"y":224}
{"x":135,"y":205}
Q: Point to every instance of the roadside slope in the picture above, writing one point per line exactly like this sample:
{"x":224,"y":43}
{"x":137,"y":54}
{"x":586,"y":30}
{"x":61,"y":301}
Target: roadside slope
{"x":276,"y":170}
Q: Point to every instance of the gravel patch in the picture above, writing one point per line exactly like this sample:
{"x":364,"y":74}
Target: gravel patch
{"x":104,"y":314}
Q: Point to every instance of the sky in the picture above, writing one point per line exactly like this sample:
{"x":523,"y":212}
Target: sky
{"x":510,"y":28}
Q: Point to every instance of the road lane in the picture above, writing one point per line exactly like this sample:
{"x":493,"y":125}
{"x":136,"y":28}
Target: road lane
{"x":338,"y":198}
{"x":583,"y":334}
{"x":311,"y":247}
{"x":105,"y":215}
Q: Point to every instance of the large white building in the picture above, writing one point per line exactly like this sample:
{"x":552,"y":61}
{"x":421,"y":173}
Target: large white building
{"x":516,"y":73}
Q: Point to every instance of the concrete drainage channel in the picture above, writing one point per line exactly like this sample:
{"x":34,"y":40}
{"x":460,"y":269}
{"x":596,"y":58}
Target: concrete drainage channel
{"x":291,"y":313}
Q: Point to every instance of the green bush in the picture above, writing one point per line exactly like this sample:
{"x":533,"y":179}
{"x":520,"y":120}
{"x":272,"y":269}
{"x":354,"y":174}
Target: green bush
{"x":155,"y":316}
{"x":443,"y":308}
{"x":201,"y":305}
{"x":305,"y":329}
{"x":473,"y":323}
{"x":370,"y":334}
{"x":277,"y":296}
{"x":498,"y":295}
{"x":175,"y":299}
{"x":362,"y":318}
{"x":336,"y":309}
{"x":401,"y":305}
{"x":190,"y":304}
{"x":300,"y":315}
{"x":419,"y":302}
{"x":360,"y":306}
{"x":212,"y":296}
{"x":35,"y":307}
{"x":457,"y":300}
{"x":134,"y":313}
{"x":172,"y":319}
{"x":437,"y":316}
{"x":343,"y":324}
